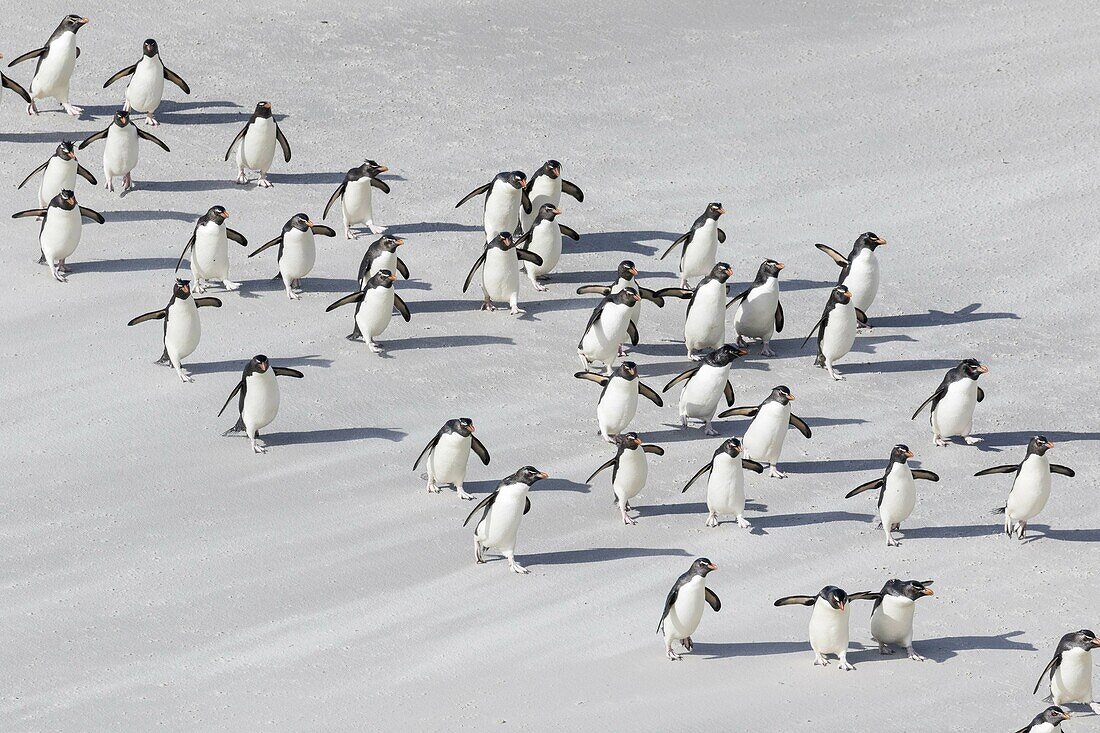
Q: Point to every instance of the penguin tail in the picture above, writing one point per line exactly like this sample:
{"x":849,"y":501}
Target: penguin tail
{"x":1000,"y":510}
{"x":277,"y":276}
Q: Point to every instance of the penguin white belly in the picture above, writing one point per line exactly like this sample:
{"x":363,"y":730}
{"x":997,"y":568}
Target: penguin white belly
{"x":1030,"y":490}
{"x":146,"y":88}
{"x":500,"y":273}
{"x":631,"y":474}
{"x":261,"y":400}
{"x":183,"y":329}
{"x":257,"y":149}
{"x":617,"y":406}
{"x":726,"y":487}
{"x":700,"y":395}
{"x":499,"y":527}
{"x":59,"y":174}
{"x":755,"y":315}
{"x":60,"y":233}
{"x":375,"y":312}
{"x":545,"y":190}
{"x":863,"y":279}
{"x":501,"y":210}
{"x":210,"y":256}
{"x":828,"y":629}
{"x":892,"y":621}
{"x":954,"y":415}
{"x":764,"y":438}
{"x":705,"y":325}
{"x":447,"y":462}
{"x":840,"y":333}
{"x":601,"y":342}
{"x":684,"y":616}
{"x":384,"y":261}
{"x":546,"y":243}
{"x":356,"y":201}
{"x":899,"y":496}
{"x":120,"y":154}
{"x":702,"y":252}
{"x":53,"y":76}
{"x":1072,"y":681}
{"x":299,"y":254}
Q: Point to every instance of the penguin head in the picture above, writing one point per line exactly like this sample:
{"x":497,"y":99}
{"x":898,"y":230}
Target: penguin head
{"x":1083,"y":639}
{"x":834,"y":596}
{"x":149,"y":48}
{"x":769,"y":268}
{"x":259,"y":363}
{"x":714,"y":210}
{"x":217,"y":214}
{"x":389,"y":243}
{"x":122,"y":118}
{"x":548,"y":212}
{"x":627,"y":270}
{"x":900,"y":453}
{"x":723,"y":355}
{"x":626,"y":296}
{"x":66,"y":150}
{"x":911,"y":589}
{"x":972,"y":368}
{"x":65,"y":199}
{"x":702,"y":566}
{"x":72,"y":23}
{"x":552,"y":168}
{"x":782,"y":394}
{"x":381,"y":279}
{"x":841,"y":295}
{"x":464,"y":426}
{"x":529,"y":475}
{"x":372,"y":168}
{"x":1054,"y":715}
{"x":628,"y":441}
{"x":182,"y":289}
{"x":731,"y":447}
{"x":869,"y":240}
{"x":627,"y":370}
{"x":721,"y":272}
{"x":501,"y":241}
{"x":515,"y":179}
{"x":299,"y":221}
{"x":1039,"y":445}
{"x":263,"y":109}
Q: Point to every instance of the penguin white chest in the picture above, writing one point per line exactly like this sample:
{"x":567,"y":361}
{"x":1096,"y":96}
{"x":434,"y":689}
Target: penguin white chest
{"x":686,"y":612}
{"x":545,"y":190}
{"x":618,"y":405}
{"x":120,"y":154}
{"x":636,"y":309}
{"x":546,"y":243}
{"x":892,"y":621}
{"x":500,"y":274}
{"x":726,"y":486}
{"x":257,"y":150}
{"x":899,"y":496}
{"x":840,"y":332}
{"x":702,"y":252}
{"x":601,"y":341}
{"x":863,"y":279}
{"x":1030,"y":490}
{"x":631,"y":474}
{"x":298,"y":255}
{"x":261,"y":399}
{"x":755,"y":315}
{"x":56,"y":70}
{"x":499,"y":527}
{"x":700,"y":395}
{"x":1072,"y":681}
{"x":447,"y":463}
{"x":764,"y":438}
{"x":183,"y":329}
{"x":828,"y":628}
{"x":210,"y":257}
{"x":59,"y":174}
{"x":954,"y":415}
{"x":357,"y":202}
{"x":146,"y":88}
{"x":375,"y":312}
{"x":501,"y":209}
{"x":60,"y":233}
{"x":705,"y":326}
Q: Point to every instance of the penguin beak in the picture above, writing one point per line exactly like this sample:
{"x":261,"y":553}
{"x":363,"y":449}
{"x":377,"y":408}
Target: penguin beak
{"x":225,"y":214}
{"x":790,"y":397}
{"x":637,"y":441}
{"x":729,"y":272}
{"x":779,"y":265}
{"x":83,"y":21}
{"x":392,"y":278}
{"x":1049,"y":445}
{"x":634,"y":271}
{"x":472,"y":429}
{"x":1065,"y":715}
{"x":721,"y":209}
{"x":880,"y":241}
{"x":928,"y":592}
{"x":309,"y":222}
{"x":637,"y":297}
{"x":383,"y":168}
{"x":983,"y":369}
{"x":840,"y":606}
{"x":908,"y":454}
{"x":399,"y":241}
{"x":543,"y":474}
{"x":557,"y":211}
{"x":740,"y":352}
{"x":848,"y":293}
{"x":711,"y":566}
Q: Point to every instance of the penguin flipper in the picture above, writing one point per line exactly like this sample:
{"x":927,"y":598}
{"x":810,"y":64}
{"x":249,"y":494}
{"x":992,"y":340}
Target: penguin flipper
{"x":29,"y":55}
{"x":529,"y":256}
{"x":728,"y":392}
{"x":233,"y":235}
{"x":153,"y":139}
{"x":120,"y":74}
{"x":401,"y":307}
{"x":1052,"y":667}
{"x":1062,"y":470}
{"x":86,"y":174}
{"x":739,"y":297}
{"x":523,"y":240}
{"x":282,"y":142}
{"x":681,"y":293}
{"x":29,"y":212}
{"x":572,"y":189}
{"x":670,"y":599}
{"x":861,"y":317}
{"x":335,"y":195}
{"x":868,"y":486}
{"x":476,"y":192}
{"x":632,"y":332}
{"x":15,"y":87}
{"x":865,"y":595}
{"x":402,"y":268}
{"x":569,"y":232}
{"x":981,"y":394}
{"x":525,"y":201}
{"x":1007,"y":468}
{"x":599,"y":379}
{"x":778,"y":317}
{"x":238,"y":388}
{"x":646,"y":391}
{"x":484,"y":504}
{"x":91,"y":214}
{"x":698,"y":473}
{"x":266,"y":245}
{"x":30,"y":175}
{"x":680,"y":377}
{"x":796,"y":601}
{"x":740,"y":411}
{"x":428,"y":448}
{"x":380,"y":185}
{"x":926,"y":475}
{"x":935,"y":397}
{"x":95,"y":136}
{"x":800,"y":424}
{"x":322,"y":230}
{"x":209,"y":302}
{"x":712,"y":599}
{"x":594,"y":290}
{"x":177,"y":80}
{"x":478,"y":447}
{"x":721,"y":236}
{"x":527,"y":504}
{"x":819,"y":324}
{"x":683,"y":239}
{"x":150,"y":316}
{"x":610,"y":462}
{"x":651,"y":296}
{"x":287,"y":372}
{"x":752,"y":465}
{"x":239,"y":137}
{"x":654,"y":449}
{"x":470,"y":278}
{"x":190,"y":244}
{"x":838,"y":258}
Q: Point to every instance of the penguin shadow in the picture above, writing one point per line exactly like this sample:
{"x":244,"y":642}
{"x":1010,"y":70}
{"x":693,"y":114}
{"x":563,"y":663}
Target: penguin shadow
{"x":942,"y":648}
{"x":604,"y":277}
{"x":950,"y":531}
{"x":193,"y":185}
{"x":42,"y":137}
{"x":254,"y":288}
{"x":334,"y":435}
{"x":678,"y":434}
{"x":445,"y":342}
{"x":136,"y":215}
{"x":136,"y":264}
{"x":834,"y":465}
{"x":413,"y":284}
{"x":711,"y":650}
{"x":431,"y":227}
{"x":626,"y":241}
{"x":896,"y":366}
{"x":1019,"y":438}
{"x":1046,"y":532}
{"x":805,"y":519}
{"x":310,"y":361}
{"x":334,"y":179}
{"x":801,"y":347}
{"x":795,"y":283}
{"x":693,"y":507}
{"x":967,"y":314}
{"x":599,"y":554}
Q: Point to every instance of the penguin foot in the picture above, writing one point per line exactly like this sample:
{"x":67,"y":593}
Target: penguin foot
{"x":515,"y":567}
{"x":487,"y":305}
{"x":607,"y":438}
{"x":891,"y":542}
{"x":623,"y":351}
{"x":766,"y":350}
{"x":375,"y":229}
{"x":884,"y":650}
{"x":242,"y":179}
{"x":708,"y":430}
{"x":742,"y":522}
{"x":695,"y":356}
{"x":463,"y":495}
{"x":516,"y":311}
{"x":376,"y":348}
{"x":939,"y":442}
{"x":847,"y":666}
{"x":673,"y":656}
{"x":292,"y":295}
{"x":185,"y":377}
{"x":712,"y":520}
{"x":914,"y":656}
{"x":971,"y":440}
{"x":72,"y":110}
{"x":127,"y":182}
{"x":820,"y":661}
{"x":32,"y":109}
{"x":837,"y":377}
{"x":150,"y":120}
{"x":740,"y":342}
{"x":258,"y":448}
{"x":109,"y":185}
{"x":263,"y":182}
{"x":542,"y":289}
{"x":230,"y":285}
{"x":687,"y":643}
{"x":433,"y":489}
{"x":63,"y":267}
{"x":776,"y":473}
{"x":59,"y":275}
{"x":629,"y":520}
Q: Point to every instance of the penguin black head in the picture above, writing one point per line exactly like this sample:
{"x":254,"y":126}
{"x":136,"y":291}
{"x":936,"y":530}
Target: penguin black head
{"x":72,"y":23}
{"x":769,"y":268}
{"x":1053,"y":715}
{"x":721,"y":272}
{"x":548,"y":212}
{"x":841,"y":295}
{"x":552,"y":168}
{"x":515,"y":179}
{"x":182,"y":289}
{"x":900,"y":453}
{"x":1083,"y":639}
{"x":263,"y":109}
{"x":835,"y":597}
{"x":299,"y":221}
{"x":869,"y":240}
{"x":731,"y":447}
{"x":911,"y":589}
{"x":65,"y":200}
{"x":66,"y":150}
{"x":627,"y":270}
{"x":217,"y":214}
{"x":501,"y":241}
{"x":528,"y":475}
{"x":149,"y":48}
{"x":388,"y":243}
{"x":627,"y":370}
{"x":1039,"y":445}
{"x":714,"y":210}
{"x":626,"y":296}
{"x":259,"y":363}
{"x":972,"y":368}
{"x":372,"y":168}
{"x":702,"y":566}
{"x":723,"y":355}
{"x":122,"y":118}
{"x":464,"y":426}
{"x":628,"y":441}
{"x":781,"y":394}
{"x":381,"y":279}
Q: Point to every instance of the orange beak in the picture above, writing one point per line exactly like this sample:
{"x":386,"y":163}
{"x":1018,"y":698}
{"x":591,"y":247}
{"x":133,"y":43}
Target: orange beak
{"x":633,"y":270}
{"x":983,"y":369}
{"x":1049,"y":445}
{"x":392,"y":278}
{"x":383,"y":168}
{"x":929,"y":592}
{"x":399,"y":241}
{"x":721,"y":209}
{"x":848,"y":293}
{"x":908,"y":454}
{"x":472,"y":429}
{"x":543,"y":474}
{"x":712,"y":566}
{"x":779,"y":266}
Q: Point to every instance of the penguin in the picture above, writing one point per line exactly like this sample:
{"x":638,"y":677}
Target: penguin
{"x":763,"y":441}
{"x":54,"y":69}
{"x":706,"y":384}
{"x":618,"y":400}
{"x":954,"y":401}
{"x":892,"y":615}
{"x":627,"y":277}
{"x":629,"y":470}
{"x":759,"y":313}
{"x":684,"y":606}
{"x":504,"y":195}
{"x":544,"y":238}
{"x":145,"y":91}
{"x":1031,"y":486}
{"x":374,"y":306}
{"x":448,"y":452}
{"x":699,"y":246}
{"x":382,"y":255}
{"x":182,"y":328}
{"x":836,"y":330}
{"x":1070,"y":670}
{"x":829,"y":622}
{"x":500,"y":276}
{"x":297,"y":251}
{"x":60,"y":231}
{"x":14,"y":86}
{"x":859,"y":270}
{"x":59,"y":172}
{"x":705,"y":322}
{"x":354,"y":193}
{"x":257,"y":398}
{"x":897,"y":493}
{"x":120,"y":153}
{"x":726,"y":483}
{"x":209,"y":248}
{"x":257,"y":145}
{"x":608,"y":328}
{"x":1048,"y":721}
{"x":501,"y":512}
{"x":546,"y":187}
